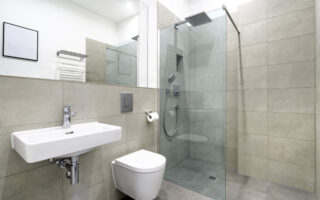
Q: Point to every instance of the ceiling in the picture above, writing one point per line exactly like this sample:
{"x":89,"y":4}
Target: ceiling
{"x":114,"y":10}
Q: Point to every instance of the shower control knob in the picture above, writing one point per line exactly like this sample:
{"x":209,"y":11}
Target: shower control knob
{"x":68,"y":174}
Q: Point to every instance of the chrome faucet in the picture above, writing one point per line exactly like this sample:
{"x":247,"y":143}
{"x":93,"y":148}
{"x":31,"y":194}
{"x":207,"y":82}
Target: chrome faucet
{"x":67,"y":114}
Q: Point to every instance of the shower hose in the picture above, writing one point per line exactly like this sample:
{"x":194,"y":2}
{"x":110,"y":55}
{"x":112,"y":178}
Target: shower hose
{"x":174,"y":132}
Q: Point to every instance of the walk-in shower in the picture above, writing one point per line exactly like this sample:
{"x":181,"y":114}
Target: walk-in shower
{"x":192,"y":131}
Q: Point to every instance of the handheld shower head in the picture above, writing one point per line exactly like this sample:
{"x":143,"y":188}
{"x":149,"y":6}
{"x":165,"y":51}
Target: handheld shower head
{"x":171,"y":78}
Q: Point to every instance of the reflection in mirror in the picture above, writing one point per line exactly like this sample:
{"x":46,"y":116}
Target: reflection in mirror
{"x":78,"y":40}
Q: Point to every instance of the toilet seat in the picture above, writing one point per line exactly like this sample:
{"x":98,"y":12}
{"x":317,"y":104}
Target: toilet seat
{"x":142,"y":161}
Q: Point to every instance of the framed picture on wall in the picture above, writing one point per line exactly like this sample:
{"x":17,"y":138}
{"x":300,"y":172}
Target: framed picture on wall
{"x":20,"y":42}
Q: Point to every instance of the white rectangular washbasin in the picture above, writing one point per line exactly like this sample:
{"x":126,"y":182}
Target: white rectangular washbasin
{"x":42,"y":144}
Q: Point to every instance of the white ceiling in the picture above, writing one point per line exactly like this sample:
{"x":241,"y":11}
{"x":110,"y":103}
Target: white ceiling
{"x":114,"y":10}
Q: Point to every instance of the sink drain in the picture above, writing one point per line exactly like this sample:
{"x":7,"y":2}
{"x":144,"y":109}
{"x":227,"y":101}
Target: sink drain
{"x":212,"y":178}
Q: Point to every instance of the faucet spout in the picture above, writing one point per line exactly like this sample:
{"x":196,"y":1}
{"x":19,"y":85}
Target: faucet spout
{"x":67,"y":114}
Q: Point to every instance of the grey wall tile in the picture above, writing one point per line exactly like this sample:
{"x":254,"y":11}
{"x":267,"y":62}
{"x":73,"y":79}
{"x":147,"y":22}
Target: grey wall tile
{"x":253,"y":123}
{"x":291,"y":50}
{"x":253,"y":145}
{"x":144,"y":100}
{"x":255,"y":55}
{"x":254,"y":33}
{"x":253,"y":166}
{"x":296,"y":176}
{"x":231,"y":100}
{"x":231,"y":138}
{"x":210,"y":100}
{"x":276,"y":8}
{"x":292,"y":100}
{"x":232,"y":41}
{"x":253,"y":11}
{"x":231,"y":159}
{"x":95,"y":168}
{"x":291,"y":125}
{"x":231,"y":80}
{"x":291,"y":75}
{"x":292,"y":151}
{"x":90,"y":100}
{"x":252,"y":78}
{"x":207,"y":82}
{"x":10,"y":161}
{"x":290,"y":25}
{"x":38,"y":184}
{"x":252,"y":100}
{"x":232,"y":60}
{"x":40,"y":99}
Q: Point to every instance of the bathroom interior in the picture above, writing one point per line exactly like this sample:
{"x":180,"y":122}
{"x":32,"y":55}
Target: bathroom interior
{"x":160,"y":99}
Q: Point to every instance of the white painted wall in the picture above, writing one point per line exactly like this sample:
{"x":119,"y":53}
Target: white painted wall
{"x":128,"y":28}
{"x":58,"y":29}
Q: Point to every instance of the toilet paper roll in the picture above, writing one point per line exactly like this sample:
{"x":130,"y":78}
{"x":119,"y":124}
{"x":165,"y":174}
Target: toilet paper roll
{"x":153,"y":116}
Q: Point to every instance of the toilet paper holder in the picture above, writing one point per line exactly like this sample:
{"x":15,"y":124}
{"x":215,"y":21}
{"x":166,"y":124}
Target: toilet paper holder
{"x":152,"y":116}
{"x":148,"y":113}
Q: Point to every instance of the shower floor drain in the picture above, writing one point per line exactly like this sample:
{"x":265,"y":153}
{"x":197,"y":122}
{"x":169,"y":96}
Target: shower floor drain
{"x":212,"y":178}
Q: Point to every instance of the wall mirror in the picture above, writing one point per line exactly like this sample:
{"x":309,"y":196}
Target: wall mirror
{"x":96,"y":41}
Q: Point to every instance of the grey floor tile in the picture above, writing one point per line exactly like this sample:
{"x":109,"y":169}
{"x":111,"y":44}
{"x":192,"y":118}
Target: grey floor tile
{"x":189,"y":181}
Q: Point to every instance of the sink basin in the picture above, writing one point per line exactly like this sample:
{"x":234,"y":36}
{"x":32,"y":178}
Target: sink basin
{"x":42,"y":144}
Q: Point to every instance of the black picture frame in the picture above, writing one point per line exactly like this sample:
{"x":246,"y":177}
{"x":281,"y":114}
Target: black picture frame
{"x":17,"y":57}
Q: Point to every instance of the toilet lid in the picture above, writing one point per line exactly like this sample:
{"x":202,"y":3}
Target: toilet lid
{"x":142,"y":161}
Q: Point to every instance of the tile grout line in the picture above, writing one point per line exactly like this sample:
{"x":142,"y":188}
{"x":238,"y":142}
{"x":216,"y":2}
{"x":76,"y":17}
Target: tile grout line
{"x":267,"y":78}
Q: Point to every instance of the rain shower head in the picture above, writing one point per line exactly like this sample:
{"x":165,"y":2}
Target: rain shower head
{"x":198,"y":19}
{"x":171,"y":78}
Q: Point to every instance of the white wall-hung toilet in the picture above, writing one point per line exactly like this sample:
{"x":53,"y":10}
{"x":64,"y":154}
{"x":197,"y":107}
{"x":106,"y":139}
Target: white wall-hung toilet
{"x":139,"y":174}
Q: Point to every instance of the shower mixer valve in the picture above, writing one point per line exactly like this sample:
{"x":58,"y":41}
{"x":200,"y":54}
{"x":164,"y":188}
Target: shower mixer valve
{"x":176,"y":90}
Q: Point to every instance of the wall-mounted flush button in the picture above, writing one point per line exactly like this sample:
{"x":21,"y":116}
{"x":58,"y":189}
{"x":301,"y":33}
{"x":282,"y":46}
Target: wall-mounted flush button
{"x":126,"y":102}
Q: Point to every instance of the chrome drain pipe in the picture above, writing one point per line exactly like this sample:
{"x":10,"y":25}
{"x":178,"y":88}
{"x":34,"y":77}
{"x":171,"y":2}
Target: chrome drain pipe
{"x":72,"y":166}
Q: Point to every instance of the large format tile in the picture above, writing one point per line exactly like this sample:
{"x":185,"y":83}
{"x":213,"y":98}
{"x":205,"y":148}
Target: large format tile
{"x":292,"y":100}
{"x":292,"y":151}
{"x":290,"y":25}
{"x":253,"y":166}
{"x":94,"y":168}
{"x":29,"y":101}
{"x":253,"y":145}
{"x":291,"y":125}
{"x":38,"y":184}
{"x":252,"y":100}
{"x":291,"y":75}
{"x":276,"y":7}
{"x":144,"y":99}
{"x":295,"y":49}
{"x":281,"y":192}
{"x":10,"y":161}
{"x":139,"y":129}
{"x":231,"y":158}
{"x":231,"y":83}
{"x":253,"y":78}
{"x":210,"y":100}
{"x":90,"y":100}
{"x":295,"y":176}
{"x":171,"y":191}
{"x":254,"y":33}
{"x":232,"y":60}
{"x":255,"y":55}
{"x":253,"y":11}
{"x":252,"y":122}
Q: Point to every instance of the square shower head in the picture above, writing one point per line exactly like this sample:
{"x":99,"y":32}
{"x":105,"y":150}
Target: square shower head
{"x":198,"y":19}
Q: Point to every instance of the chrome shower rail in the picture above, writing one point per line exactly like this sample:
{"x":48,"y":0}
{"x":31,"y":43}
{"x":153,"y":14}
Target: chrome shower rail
{"x":234,"y":24}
